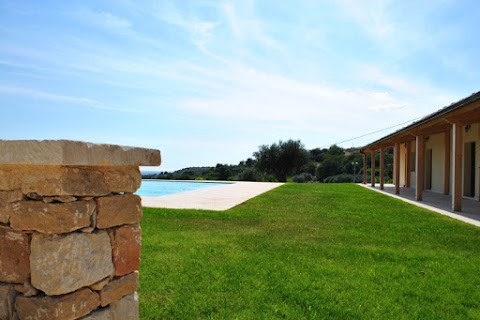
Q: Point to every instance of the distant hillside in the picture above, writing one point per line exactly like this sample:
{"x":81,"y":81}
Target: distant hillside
{"x":190,"y":173}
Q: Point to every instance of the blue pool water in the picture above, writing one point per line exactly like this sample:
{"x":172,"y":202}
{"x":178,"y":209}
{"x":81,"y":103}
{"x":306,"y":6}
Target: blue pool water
{"x":153,"y":188}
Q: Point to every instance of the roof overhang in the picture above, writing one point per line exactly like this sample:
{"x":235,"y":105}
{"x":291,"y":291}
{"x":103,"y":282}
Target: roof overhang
{"x":463,"y":112}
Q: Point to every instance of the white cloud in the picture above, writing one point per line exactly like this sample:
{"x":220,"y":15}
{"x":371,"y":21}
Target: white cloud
{"x":386,"y":101}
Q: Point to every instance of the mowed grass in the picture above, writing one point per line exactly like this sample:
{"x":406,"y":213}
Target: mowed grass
{"x":309,"y":251}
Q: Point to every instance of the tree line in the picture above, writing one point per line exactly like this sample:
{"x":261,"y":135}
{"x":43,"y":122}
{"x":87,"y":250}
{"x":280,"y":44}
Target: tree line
{"x":285,"y":161}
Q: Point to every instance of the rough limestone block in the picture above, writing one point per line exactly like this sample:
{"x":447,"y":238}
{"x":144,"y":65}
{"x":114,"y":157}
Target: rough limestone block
{"x":126,"y":245}
{"x":126,"y":308}
{"x":7,"y":299}
{"x":97,"y":286}
{"x":118,"y":288}
{"x":51,"y":217}
{"x":122,"y":179}
{"x":6,"y":199}
{"x":26,"y":289}
{"x":11,"y":196}
{"x":66,"y":307}
{"x":14,"y":256}
{"x":100,"y":314}
{"x":118,"y":210}
{"x":53,"y":180}
{"x":5,"y":212}
{"x":64,"y":263}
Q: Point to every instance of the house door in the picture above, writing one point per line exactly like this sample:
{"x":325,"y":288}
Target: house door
{"x":469,"y":170}
{"x":428,"y":169}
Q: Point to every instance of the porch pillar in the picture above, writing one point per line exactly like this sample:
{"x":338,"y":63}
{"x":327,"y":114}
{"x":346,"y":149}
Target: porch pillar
{"x":373,"y":168}
{"x":382,"y":168}
{"x":420,"y":165}
{"x":364,"y":168}
{"x":446,"y":169}
{"x":396,"y":167}
{"x":408,"y":150}
{"x":457,"y":167}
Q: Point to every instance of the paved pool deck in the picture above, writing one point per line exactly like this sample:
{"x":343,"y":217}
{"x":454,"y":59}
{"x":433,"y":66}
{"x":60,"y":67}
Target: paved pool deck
{"x":218,"y":198}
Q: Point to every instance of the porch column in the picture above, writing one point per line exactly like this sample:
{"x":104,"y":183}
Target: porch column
{"x":446,"y":169}
{"x":364,"y":168}
{"x":420,"y":165}
{"x":457,"y":167}
{"x":408,"y":150}
{"x":382,"y":168}
{"x":373,"y":168}
{"x":396,"y":167}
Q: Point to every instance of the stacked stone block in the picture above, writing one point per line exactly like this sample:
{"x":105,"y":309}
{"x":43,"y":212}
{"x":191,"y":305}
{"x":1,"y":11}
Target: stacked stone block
{"x":70,"y":233}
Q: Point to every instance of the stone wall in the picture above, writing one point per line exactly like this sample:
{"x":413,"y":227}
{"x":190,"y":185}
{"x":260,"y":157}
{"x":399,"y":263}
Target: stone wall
{"x":70,"y":233}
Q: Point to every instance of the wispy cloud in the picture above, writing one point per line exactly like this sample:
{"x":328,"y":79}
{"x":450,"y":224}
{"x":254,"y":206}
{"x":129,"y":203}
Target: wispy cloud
{"x":200,"y":30}
{"x":233,"y":21}
{"x":419,"y":92}
{"x":48,"y":96}
{"x":277,"y":101}
{"x":371,"y":15}
{"x":247,"y":28}
{"x":322,"y":71}
{"x":107,"y":21}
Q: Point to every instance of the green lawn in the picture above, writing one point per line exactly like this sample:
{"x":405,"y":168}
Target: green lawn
{"x":309,"y":251}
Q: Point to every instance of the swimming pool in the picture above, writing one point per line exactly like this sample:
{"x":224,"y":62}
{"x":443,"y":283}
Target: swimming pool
{"x":154,"y":188}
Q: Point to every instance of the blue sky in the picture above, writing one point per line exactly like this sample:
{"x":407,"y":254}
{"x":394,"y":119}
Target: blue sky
{"x":207,"y":82}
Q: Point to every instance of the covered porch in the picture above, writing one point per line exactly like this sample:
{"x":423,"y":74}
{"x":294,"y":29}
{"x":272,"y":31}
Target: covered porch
{"x":437,"y":202}
{"x":436,"y":159}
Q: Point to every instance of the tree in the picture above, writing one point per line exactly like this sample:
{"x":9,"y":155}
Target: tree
{"x":249,"y":174}
{"x":332,"y":163}
{"x":281,"y":159}
{"x":317,"y":154}
{"x":223,"y":171}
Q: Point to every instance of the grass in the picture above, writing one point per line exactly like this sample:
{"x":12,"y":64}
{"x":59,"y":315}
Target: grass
{"x":309,"y":251}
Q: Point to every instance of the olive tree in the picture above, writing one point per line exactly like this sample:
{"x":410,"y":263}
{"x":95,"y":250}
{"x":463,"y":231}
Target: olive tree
{"x":281,"y":159}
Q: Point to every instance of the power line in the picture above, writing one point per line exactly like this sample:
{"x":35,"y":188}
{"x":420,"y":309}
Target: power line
{"x":373,"y":132}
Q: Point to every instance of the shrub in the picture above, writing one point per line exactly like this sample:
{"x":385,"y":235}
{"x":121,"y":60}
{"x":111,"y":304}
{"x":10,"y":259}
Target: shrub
{"x":250,"y":174}
{"x":269,"y":178}
{"x":339,"y":178}
{"x":303,"y":177}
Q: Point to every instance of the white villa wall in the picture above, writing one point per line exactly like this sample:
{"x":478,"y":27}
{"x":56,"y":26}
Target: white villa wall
{"x":437,"y":144}
{"x":403,"y":164}
{"x":473,"y":135}
{"x":413,"y":177}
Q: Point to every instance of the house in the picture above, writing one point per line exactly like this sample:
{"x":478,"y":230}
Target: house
{"x":440,"y":152}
